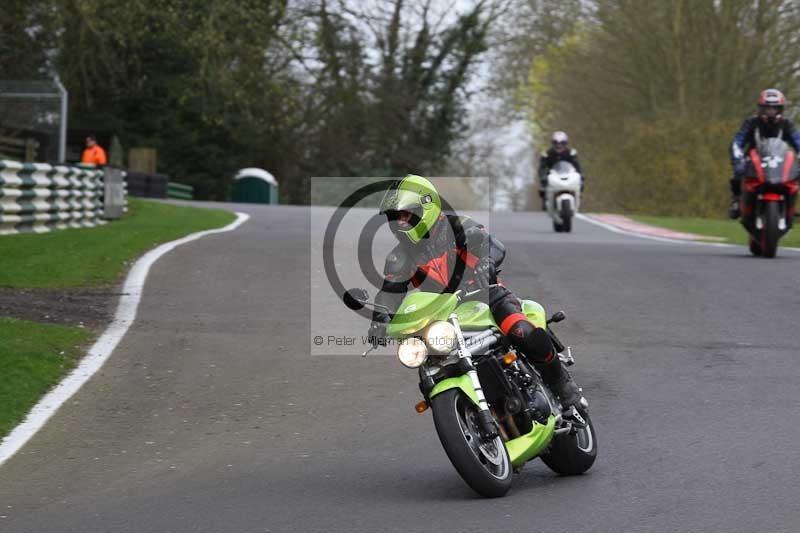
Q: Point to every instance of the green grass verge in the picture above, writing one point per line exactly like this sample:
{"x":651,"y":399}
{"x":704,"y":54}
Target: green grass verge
{"x":94,"y":256}
{"x":33,"y":358}
{"x":730,"y":230}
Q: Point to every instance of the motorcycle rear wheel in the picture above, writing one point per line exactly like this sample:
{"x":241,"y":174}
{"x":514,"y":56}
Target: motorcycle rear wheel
{"x":483,"y":465}
{"x":571,"y":454}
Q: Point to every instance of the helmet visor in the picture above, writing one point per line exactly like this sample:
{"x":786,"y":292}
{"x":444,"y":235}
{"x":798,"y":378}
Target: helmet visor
{"x":770,"y":111}
{"x":404,"y":219}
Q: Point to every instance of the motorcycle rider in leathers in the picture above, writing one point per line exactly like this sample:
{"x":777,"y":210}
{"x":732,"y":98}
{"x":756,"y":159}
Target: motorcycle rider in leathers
{"x":769,"y":122}
{"x":559,"y":151}
{"x":442,"y":252}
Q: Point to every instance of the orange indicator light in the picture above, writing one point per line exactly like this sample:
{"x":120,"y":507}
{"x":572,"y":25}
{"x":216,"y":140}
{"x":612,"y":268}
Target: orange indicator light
{"x":421,"y":407}
{"x":509,"y":358}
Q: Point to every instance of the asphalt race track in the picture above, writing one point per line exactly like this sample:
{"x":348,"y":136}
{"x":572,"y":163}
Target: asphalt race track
{"x":211,"y":415}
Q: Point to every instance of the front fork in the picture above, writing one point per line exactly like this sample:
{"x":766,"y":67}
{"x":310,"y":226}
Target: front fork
{"x":485,"y":419}
{"x":752,"y":209}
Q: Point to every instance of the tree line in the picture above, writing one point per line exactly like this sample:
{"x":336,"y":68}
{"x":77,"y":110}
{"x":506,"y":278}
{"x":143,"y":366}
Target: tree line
{"x":301,"y":88}
{"x":652,"y":91}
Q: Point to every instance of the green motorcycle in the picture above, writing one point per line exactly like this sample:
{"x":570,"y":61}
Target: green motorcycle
{"x":492,"y":411}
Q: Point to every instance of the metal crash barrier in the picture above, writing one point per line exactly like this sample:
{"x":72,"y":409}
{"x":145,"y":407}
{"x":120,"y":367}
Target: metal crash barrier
{"x":37,"y":197}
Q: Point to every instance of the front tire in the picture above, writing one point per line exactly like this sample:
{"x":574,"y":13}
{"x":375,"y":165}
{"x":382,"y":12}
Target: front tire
{"x":483,"y":465}
{"x":770,"y":233}
{"x":571,"y":454}
{"x":566,"y":217}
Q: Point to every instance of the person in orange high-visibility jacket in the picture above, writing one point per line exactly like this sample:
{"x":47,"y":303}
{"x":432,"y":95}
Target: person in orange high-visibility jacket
{"x":94,"y":153}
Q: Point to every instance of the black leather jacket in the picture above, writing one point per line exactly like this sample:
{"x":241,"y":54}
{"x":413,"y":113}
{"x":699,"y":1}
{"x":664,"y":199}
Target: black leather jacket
{"x":551,"y":157}
{"x":754,"y":129}
{"x":443,"y":261}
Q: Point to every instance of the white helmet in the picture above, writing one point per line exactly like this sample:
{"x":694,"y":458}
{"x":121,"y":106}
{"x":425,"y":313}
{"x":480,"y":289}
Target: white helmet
{"x":560,"y":137}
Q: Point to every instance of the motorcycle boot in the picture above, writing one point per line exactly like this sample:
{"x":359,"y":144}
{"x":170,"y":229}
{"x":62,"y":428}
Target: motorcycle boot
{"x":736,"y":192}
{"x":733,"y":209}
{"x":561,"y":384}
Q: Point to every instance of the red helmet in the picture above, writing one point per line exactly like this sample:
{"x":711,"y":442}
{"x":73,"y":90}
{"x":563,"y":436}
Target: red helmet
{"x":770,"y":105}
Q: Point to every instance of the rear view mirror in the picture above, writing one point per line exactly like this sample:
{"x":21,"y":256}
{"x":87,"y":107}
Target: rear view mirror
{"x":557,"y":317}
{"x":355,"y":298}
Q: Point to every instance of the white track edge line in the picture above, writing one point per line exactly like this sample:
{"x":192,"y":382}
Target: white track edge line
{"x":102,"y":348}
{"x":621,"y":231}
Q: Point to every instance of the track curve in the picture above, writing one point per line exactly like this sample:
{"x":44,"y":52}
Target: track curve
{"x":205,"y":419}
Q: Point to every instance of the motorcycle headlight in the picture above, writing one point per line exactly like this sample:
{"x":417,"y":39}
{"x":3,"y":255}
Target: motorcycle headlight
{"x":412,"y":352}
{"x":440,"y":338}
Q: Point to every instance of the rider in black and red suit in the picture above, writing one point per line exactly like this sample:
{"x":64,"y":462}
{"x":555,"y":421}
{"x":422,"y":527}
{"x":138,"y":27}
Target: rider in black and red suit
{"x":430,"y":263}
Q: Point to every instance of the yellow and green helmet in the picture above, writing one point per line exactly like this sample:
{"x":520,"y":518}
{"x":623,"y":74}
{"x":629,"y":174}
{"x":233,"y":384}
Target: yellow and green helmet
{"x":412,"y":206}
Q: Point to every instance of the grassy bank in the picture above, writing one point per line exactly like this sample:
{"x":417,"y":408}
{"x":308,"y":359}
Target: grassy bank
{"x":95,"y":256}
{"x":730,"y":230}
{"x":34,"y":356}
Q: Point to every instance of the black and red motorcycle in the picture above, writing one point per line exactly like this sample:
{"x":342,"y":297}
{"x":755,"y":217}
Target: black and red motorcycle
{"x":768,"y":195}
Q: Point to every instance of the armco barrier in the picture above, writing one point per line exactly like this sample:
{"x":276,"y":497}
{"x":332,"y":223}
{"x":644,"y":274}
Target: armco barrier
{"x":179,"y":190}
{"x":39,"y":197}
{"x":146,"y":185}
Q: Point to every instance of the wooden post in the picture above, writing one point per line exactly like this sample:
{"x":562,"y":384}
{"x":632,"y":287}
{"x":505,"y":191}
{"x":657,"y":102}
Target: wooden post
{"x":142,"y":160}
{"x":30,"y":150}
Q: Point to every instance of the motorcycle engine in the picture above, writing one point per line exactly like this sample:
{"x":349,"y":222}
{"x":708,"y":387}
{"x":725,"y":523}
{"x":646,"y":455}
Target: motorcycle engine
{"x":538,"y":404}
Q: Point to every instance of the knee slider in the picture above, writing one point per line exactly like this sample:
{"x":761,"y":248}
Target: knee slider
{"x":532,"y":341}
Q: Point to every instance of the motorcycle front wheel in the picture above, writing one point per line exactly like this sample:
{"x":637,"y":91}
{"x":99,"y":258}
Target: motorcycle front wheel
{"x":483,"y":464}
{"x":770,"y":233}
{"x":566,"y":217}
